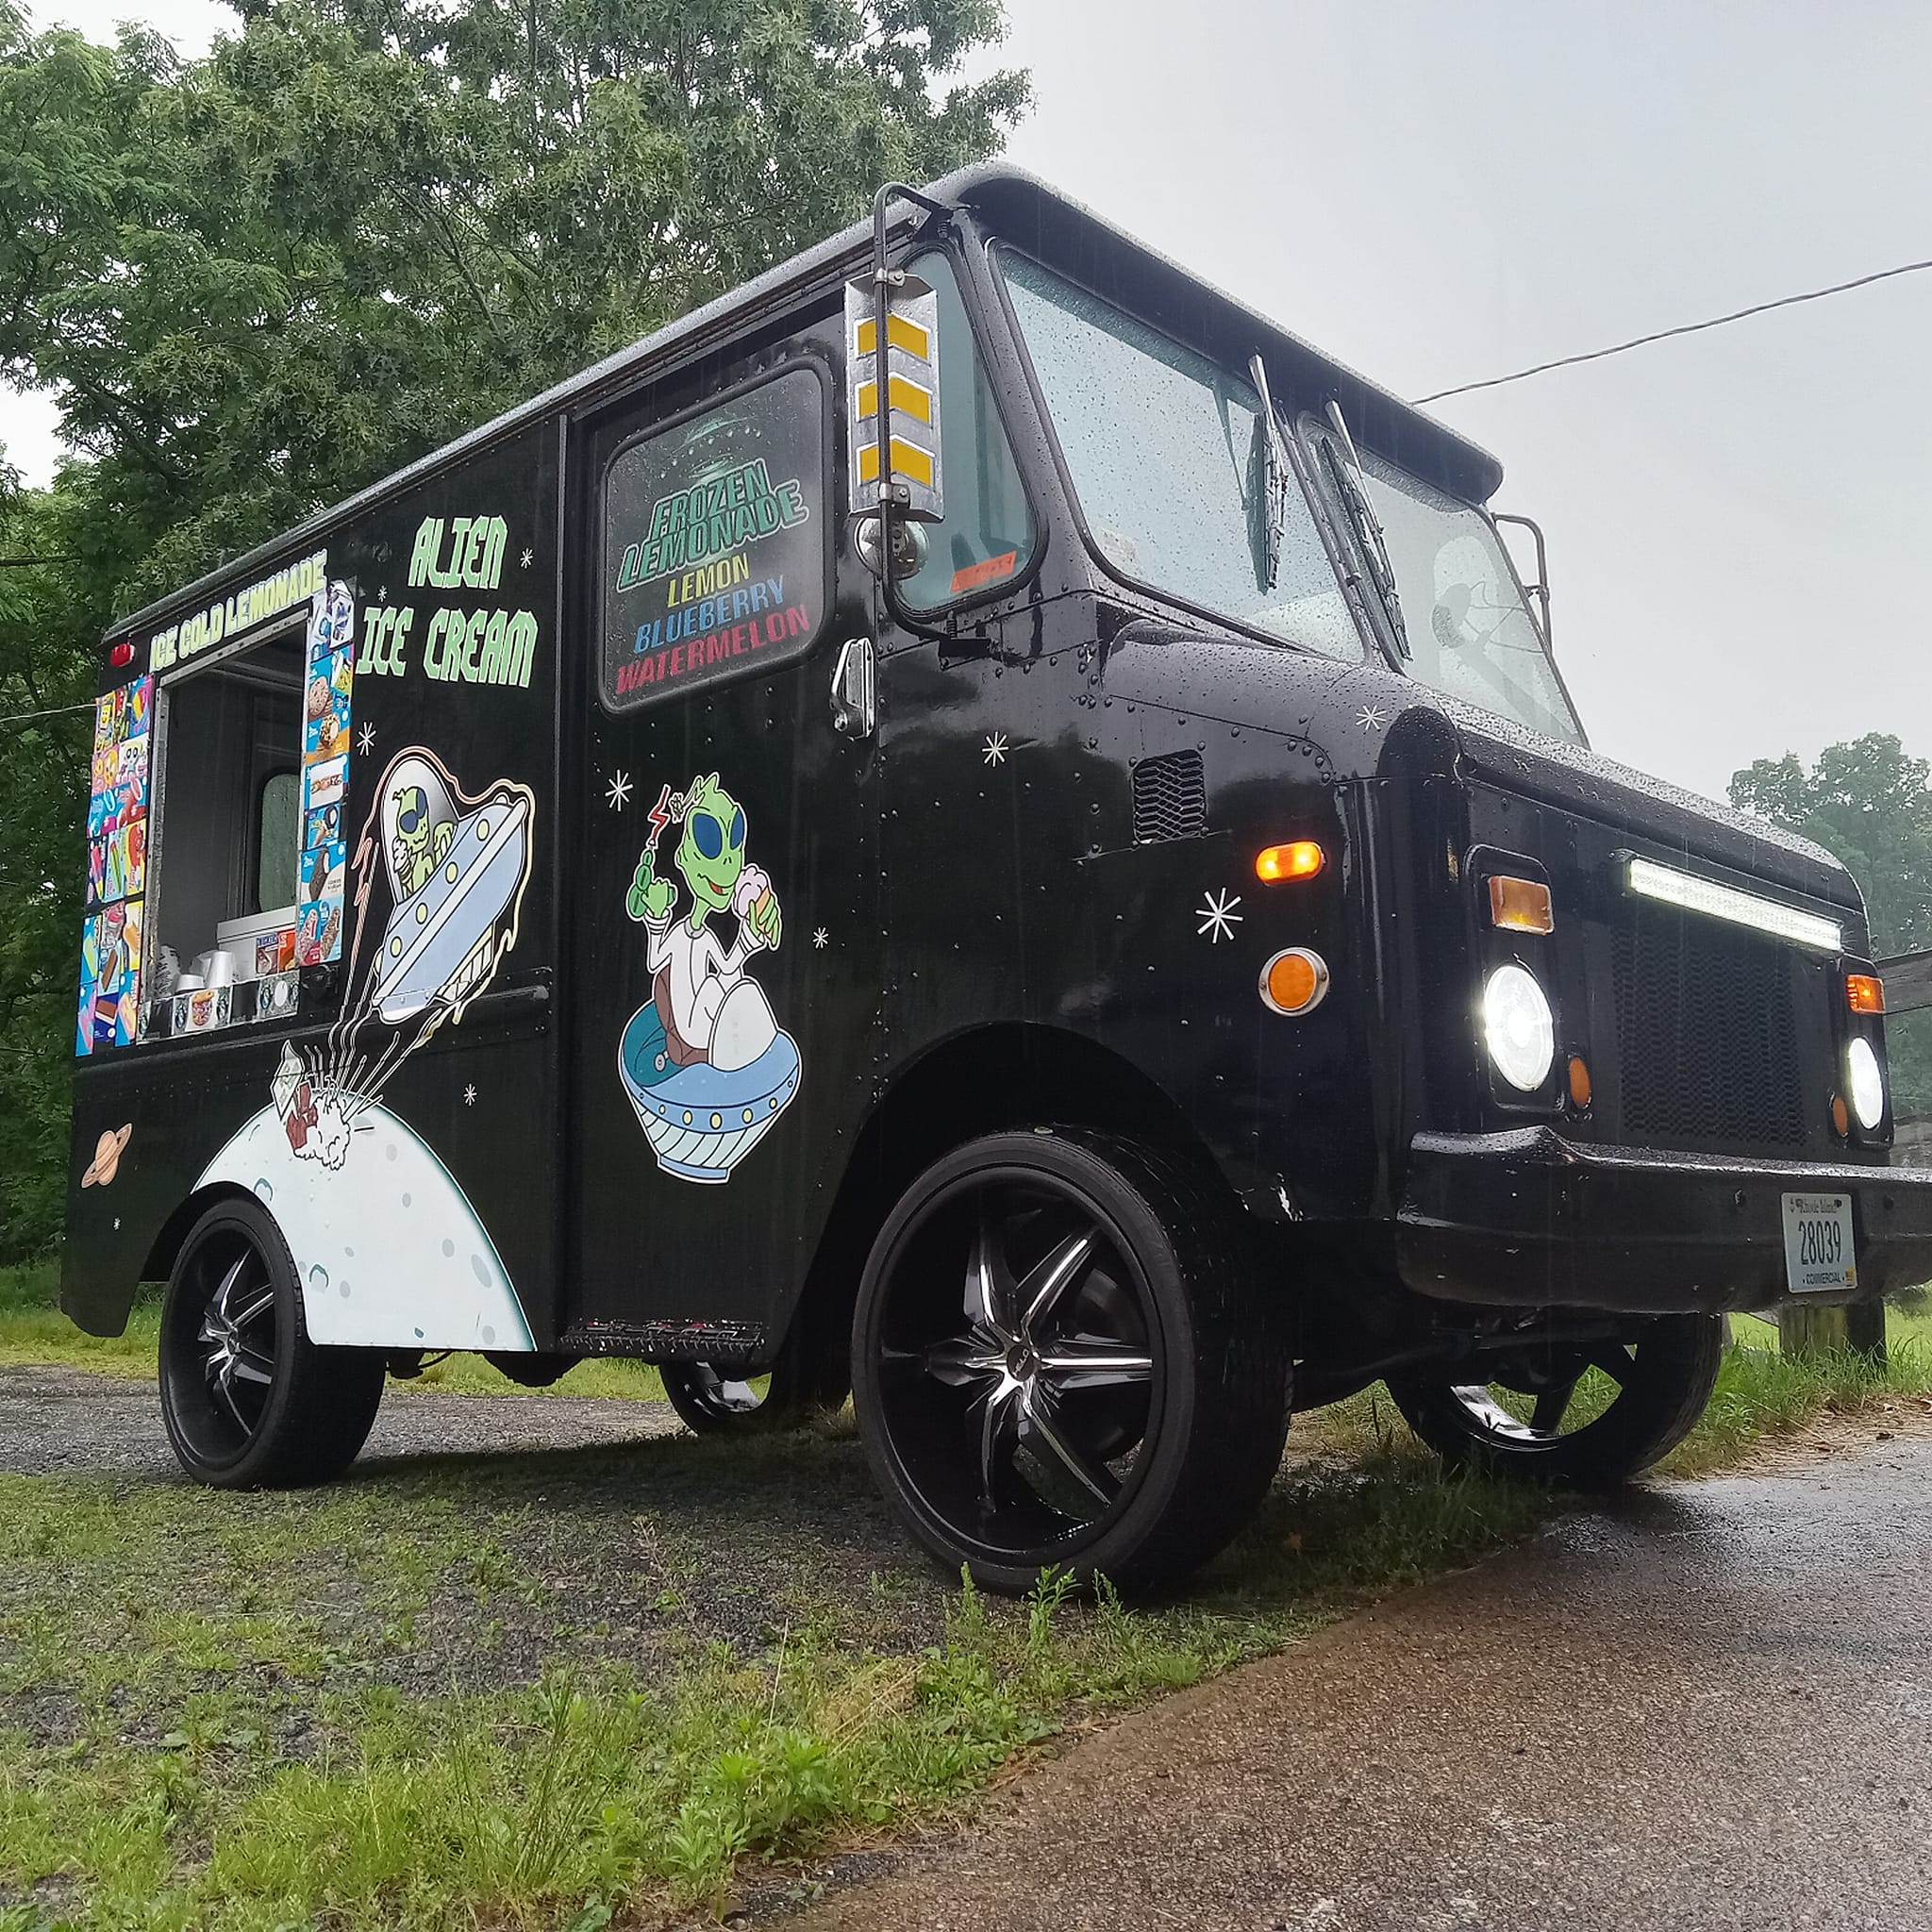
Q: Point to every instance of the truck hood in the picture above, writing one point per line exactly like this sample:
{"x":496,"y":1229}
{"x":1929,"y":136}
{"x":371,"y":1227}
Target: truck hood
{"x":1373,"y":723}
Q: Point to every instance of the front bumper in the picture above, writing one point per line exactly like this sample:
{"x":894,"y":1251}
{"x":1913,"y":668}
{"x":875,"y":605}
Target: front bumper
{"x":1529,"y":1219}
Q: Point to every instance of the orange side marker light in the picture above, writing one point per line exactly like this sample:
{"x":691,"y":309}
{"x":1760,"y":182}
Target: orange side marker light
{"x":1865,"y":992}
{"x":1521,"y":905}
{"x":1579,"y":1083}
{"x":1293,"y":981}
{"x":1302,"y":858}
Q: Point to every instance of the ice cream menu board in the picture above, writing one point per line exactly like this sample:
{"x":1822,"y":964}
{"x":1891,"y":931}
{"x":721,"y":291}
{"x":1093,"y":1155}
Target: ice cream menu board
{"x":117,"y":825}
{"x":327,"y":683}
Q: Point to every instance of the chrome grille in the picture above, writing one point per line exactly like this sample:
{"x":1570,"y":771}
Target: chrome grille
{"x":1706,"y":1036}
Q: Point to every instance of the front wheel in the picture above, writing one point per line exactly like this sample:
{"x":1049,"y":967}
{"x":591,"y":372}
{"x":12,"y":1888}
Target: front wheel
{"x":247,"y":1399}
{"x":1060,"y":1357}
{"x":1586,"y":1417}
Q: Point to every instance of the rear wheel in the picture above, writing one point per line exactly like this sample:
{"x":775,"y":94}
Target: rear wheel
{"x":1060,"y":1358}
{"x":1585,"y":1416}
{"x":713,"y":1399}
{"x":247,"y":1399}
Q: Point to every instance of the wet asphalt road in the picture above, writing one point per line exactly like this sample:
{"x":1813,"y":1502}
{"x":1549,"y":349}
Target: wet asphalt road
{"x":1711,"y":1708}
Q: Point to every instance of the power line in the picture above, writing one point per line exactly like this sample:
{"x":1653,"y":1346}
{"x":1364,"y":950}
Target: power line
{"x":1688,"y":328}
{"x":57,"y":711}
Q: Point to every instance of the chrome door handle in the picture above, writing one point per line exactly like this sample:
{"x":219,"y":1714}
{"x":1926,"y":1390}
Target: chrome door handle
{"x":855,"y":702}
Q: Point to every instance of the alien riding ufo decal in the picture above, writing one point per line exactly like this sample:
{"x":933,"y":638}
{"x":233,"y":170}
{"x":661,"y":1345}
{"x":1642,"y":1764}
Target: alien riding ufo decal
{"x":703,"y":1062}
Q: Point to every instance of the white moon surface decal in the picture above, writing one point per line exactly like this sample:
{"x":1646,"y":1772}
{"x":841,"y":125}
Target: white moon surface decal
{"x":388,"y":1249}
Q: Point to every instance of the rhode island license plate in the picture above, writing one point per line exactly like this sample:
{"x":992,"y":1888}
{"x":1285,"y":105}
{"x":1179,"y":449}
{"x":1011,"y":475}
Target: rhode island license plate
{"x":1818,"y":1244}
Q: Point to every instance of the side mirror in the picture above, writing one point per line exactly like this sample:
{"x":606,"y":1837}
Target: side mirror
{"x":910,"y":477}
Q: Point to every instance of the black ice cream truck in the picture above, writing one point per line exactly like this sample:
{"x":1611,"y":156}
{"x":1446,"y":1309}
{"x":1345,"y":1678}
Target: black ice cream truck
{"x":1067,"y":897}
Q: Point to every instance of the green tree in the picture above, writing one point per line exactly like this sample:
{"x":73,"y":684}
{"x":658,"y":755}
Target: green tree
{"x":1871,"y":804}
{"x":257,"y":281}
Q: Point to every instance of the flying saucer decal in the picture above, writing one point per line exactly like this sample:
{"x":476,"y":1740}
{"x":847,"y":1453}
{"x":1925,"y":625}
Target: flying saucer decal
{"x":705,"y":1063}
{"x":436,"y":888}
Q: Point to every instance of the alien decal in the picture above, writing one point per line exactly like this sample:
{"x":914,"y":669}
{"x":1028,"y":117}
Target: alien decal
{"x":706,"y":1064}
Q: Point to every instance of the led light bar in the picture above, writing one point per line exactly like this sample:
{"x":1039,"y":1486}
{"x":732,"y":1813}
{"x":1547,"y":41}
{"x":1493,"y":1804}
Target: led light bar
{"x":1650,"y":880}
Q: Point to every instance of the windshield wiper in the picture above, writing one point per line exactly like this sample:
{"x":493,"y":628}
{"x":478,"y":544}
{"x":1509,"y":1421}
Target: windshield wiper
{"x":1267,"y":493}
{"x":1352,"y":486}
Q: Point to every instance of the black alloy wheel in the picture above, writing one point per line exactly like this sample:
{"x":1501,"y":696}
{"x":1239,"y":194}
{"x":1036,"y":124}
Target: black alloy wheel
{"x":1584,"y":1416}
{"x":1060,"y":1358}
{"x":247,"y":1399}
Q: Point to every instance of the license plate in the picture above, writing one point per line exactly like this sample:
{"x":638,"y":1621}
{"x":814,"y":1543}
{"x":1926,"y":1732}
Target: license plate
{"x":1818,"y":1244}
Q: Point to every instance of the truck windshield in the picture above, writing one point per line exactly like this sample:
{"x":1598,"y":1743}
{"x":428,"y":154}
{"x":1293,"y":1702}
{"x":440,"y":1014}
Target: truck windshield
{"x":1163,"y":450}
{"x":1470,"y":633}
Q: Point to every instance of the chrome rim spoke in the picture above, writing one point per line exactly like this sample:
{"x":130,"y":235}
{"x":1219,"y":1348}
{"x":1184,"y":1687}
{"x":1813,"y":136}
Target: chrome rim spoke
{"x":998,"y":1438}
{"x":226,"y":1388}
{"x":987,"y":1282}
{"x":1098,"y":1484}
{"x":1043,"y":1289}
{"x":220,"y":1302}
{"x":251,"y":1365}
{"x":1086,"y":1361}
{"x":965,"y":1358}
{"x":263,"y":1302}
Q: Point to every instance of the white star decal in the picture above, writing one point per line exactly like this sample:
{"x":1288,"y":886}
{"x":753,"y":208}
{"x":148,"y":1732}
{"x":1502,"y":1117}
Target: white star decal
{"x":1218,"y":917}
{"x":1372,"y":719}
{"x":530,"y":558}
{"x":618,"y":793}
{"x":822,"y":939}
{"x":470,"y":1095}
{"x":365,"y":738}
{"x":994,"y":750}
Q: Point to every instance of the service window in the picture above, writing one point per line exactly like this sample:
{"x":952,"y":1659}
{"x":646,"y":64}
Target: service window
{"x":988,"y":536}
{"x":717,"y":542}
{"x":247,"y":860}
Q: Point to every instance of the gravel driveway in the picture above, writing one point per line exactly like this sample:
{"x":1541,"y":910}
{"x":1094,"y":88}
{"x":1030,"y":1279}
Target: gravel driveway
{"x":66,"y":1420}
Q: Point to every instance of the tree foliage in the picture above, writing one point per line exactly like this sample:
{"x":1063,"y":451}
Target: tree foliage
{"x":257,"y":281}
{"x":1871,"y":804}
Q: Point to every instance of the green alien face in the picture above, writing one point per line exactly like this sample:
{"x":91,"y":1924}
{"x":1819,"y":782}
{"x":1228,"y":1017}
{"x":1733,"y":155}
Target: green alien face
{"x":412,"y":819}
{"x":711,"y":853}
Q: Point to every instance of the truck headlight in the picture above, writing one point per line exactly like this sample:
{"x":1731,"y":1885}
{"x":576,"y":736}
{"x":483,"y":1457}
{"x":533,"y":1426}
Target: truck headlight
{"x":1518,"y":1027}
{"x":1867,"y":1083}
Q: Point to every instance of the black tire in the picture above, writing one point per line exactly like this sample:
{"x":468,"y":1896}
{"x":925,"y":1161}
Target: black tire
{"x":1061,"y":1356}
{"x":248,"y":1400}
{"x":716,"y":1399}
{"x":1662,"y":1373}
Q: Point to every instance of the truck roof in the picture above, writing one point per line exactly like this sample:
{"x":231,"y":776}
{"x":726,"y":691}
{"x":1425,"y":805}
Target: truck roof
{"x":1018,"y":204}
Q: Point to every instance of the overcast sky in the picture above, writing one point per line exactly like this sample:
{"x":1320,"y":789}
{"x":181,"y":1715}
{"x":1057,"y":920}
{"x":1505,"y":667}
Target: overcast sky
{"x":1437,"y":193}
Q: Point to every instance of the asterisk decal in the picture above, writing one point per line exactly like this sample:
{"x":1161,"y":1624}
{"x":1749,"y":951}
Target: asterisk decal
{"x":617,"y":795}
{"x":1218,"y":917}
{"x":382,"y":595}
{"x":995,"y":751}
{"x":470,"y":1094}
{"x":1370,"y":718}
{"x":365,"y":738}
{"x":530,"y":558}
{"x":822,"y":939}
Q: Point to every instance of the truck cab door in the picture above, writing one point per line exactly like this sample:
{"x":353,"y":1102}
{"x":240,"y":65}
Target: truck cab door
{"x":724,"y":982}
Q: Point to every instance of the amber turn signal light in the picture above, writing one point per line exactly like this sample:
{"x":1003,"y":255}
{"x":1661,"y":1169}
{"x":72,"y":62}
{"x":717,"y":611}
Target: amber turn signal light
{"x":1865,"y":992}
{"x":1300,"y":860}
{"x":1293,"y":981}
{"x":1579,"y":1083}
{"x":1840,"y":1116}
{"x":1520,"y":905}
